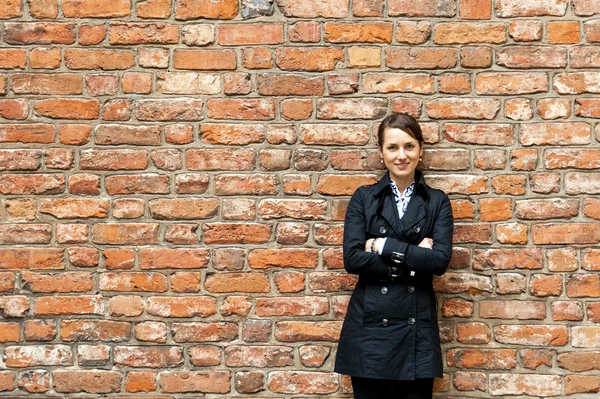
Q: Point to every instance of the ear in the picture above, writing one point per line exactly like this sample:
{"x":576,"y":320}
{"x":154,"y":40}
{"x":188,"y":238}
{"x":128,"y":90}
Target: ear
{"x":421,"y":144}
{"x":379,"y":151}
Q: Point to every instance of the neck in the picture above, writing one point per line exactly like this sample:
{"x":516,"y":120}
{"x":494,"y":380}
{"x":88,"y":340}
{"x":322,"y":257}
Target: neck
{"x":403,"y":183}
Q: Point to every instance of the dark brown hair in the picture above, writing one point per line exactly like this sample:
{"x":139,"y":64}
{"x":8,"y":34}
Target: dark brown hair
{"x":404,"y":122}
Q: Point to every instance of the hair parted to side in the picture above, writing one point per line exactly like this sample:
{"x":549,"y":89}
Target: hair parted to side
{"x":404,"y":122}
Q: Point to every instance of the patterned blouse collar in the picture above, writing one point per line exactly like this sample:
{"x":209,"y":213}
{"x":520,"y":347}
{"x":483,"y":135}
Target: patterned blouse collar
{"x":402,"y":199}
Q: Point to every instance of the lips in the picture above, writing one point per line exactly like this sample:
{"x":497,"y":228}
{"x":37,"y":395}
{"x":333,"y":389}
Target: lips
{"x":401,"y":165}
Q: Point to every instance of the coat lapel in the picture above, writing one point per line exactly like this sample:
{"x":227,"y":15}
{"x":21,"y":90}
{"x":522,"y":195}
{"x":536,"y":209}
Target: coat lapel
{"x":415,"y":212}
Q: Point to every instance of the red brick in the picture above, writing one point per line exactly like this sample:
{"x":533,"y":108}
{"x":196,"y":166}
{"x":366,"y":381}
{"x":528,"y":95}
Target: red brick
{"x":581,"y":384}
{"x":10,"y":9}
{"x":511,"y":233}
{"x":205,"y":355}
{"x":363,"y":108}
{"x":581,"y":286}
{"x":579,"y":361}
{"x":331,"y":282}
{"x":34,"y":381}
{"x":469,"y":32}
{"x":179,"y":109}
{"x":289,"y":84}
{"x":313,"y":355}
{"x":180,"y":208}
{"x":363,"y":32}
{"x":14,"y":109}
{"x":480,"y":134}
{"x":125,"y":233}
{"x":204,"y":59}
{"x":476,"y":9}
{"x":577,"y":82}
{"x":528,"y":8}
{"x":96,"y":8}
{"x":592,"y":31}
{"x":90,"y":35}
{"x":41,"y":355}
{"x":249,"y":34}
{"x":473,"y":333}
{"x":98,"y":59}
{"x":295,"y":258}
{"x":563,"y":32}
{"x":9,"y":332}
{"x":296,"y":109}
{"x":420,"y":58}
{"x":220,"y":159}
{"x":301,"y":9}
{"x":259,"y":356}
{"x":128,"y":306}
{"x":247,"y":109}
{"x":153,"y":58}
{"x":195,"y":9}
{"x":38,"y":33}
{"x":142,"y":33}
{"x":302,"y":382}
{"x":537,"y":335}
{"x":576,"y":183}
{"x":520,"y":310}
{"x":534,"y":358}
{"x":446,"y":8}
{"x":528,"y":57}
{"x":507,"y":259}
{"x":133,"y":281}
{"x":557,"y":233}
{"x":509,"y":184}
{"x":12,"y":58}
{"x":510,"y":83}
{"x":95,"y":330}
{"x":236,"y":233}
{"x":32,"y":184}
{"x":185,"y":282}
{"x":20,"y":160}
{"x":148,"y":356}
{"x":490,"y":159}
{"x":197,"y":306}
{"x":530,"y":384}
{"x":305,"y":306}
{"x":487,"y":359}
{"x":295,"y":209}
{"x":71,"y":208}
{"x":398,"y":82}
{"x":470,"y":381}
{"x":7,"y":282}
{"x":462,"y":282}
{"x":305,"y":32}
{"x":462,"y":108}
{"x":154,"y":9}
{"x":27,"y":133}
{"x":57,"y":282}
{"x":195,"y":381}
{"x":334,"y":134}
{"x":114,"y":159}
{"x":198,"y":34}
{"x":289,"y":281}
{"x":140,"y":381}
{"x":237,"y":83}
{"x":456,"y":307}
{"x":525,"y":31}
{"x":45,"y":58}
{"x":74,"y":134}
{"x":523,"y":159}
{"x":510,"y":283}
{"x":68,"y":108}
{"x":315,"y":59}
{"x":465,"y":184}
{"x":204,"y":332}
{"x":173,"y":258}
{"x":257,"y":58}
{"x":475,"y":57}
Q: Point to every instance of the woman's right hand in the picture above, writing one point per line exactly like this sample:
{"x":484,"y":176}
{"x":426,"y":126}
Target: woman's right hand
{"x":426,"y":243}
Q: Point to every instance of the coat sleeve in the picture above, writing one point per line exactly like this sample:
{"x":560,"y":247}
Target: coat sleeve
{"x":356,"y":259}
{"x":436,"y":259}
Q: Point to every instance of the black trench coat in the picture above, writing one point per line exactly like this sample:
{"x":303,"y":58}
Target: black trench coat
{"x":391,"y":330}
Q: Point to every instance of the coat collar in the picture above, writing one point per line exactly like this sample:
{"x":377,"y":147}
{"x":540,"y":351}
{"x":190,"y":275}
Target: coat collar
{"x":415,"y":211}
{"x":420,"y":186}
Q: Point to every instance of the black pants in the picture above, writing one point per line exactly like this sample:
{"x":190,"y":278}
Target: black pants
{"x":368,"y":388}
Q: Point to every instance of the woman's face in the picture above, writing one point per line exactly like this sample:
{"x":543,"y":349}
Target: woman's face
{"x":400,"y":153}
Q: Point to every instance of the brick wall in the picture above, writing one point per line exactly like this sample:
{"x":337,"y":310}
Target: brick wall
{"x":174,"y":176}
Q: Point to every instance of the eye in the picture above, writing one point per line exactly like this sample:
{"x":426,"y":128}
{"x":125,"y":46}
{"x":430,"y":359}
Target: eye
{"x":392,"y":147}
{"x":410,"y":146}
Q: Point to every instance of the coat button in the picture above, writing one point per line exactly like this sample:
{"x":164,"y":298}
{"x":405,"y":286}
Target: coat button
{"x":416,"y":229}
{"x":411,"y":320}
{"x":382,"y":229}
{"x":384,"y":322}
{"x":411,"y":289}
{"x":384,"y":290}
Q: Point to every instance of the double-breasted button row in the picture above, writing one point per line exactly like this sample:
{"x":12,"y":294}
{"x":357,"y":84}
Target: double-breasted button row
{"x":410,"y":289}
{"x":384,"y":322}
{"x":384,"y":290}
{"x":411,"y":320}
{"x":382,"y":229}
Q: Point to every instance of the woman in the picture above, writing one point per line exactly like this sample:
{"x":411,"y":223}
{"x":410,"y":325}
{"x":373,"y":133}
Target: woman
{"x":397,"y":235}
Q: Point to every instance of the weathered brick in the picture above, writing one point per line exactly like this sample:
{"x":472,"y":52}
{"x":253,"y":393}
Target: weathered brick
{"x":444,"y":8}
{"x":98,"y":59}
{"x":236,"y":233}
{"x":19,"y":33}
{"x":197,"y":9}
{"x":520,"y":310}
{"x":285,"y":257}
{"x":530,"y":8}
{"x":96,"y":8}
{"x":530,"y":384}
{"x":66,"y":108}
{"x":148,"y":356}
{"x":488,"y":359}
{"x":301,"y":9}
{"x":204,"y":59}
{"x":204,"y":332}
{"x":249,"y":34}
{"x":247,"y":109}
{"x":577,"y":82}
{"x":195,"y":381}
{"x":302,"y":382}
{"x":469,"y":32}
{"x":510,"y":83}
{"x":312,"y":59}
{"x":462,"y":108}
{"x":197,"y":306}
